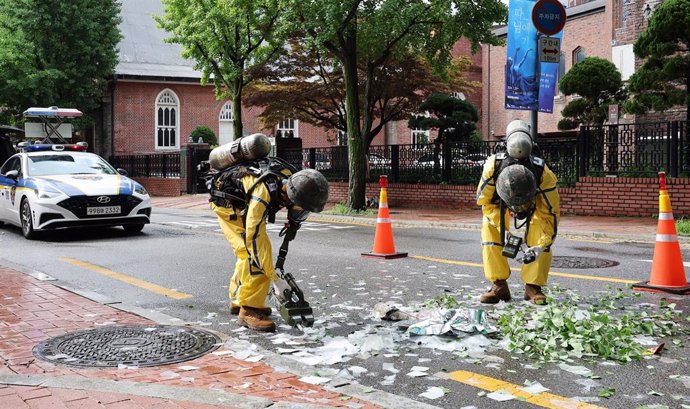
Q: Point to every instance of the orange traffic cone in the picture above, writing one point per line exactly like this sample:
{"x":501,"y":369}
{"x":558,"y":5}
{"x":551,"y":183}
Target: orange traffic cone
{"x":668,"y":272}
{"x":384,"y":246}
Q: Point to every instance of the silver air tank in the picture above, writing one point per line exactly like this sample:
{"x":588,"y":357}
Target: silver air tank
{"x":246,"y":148}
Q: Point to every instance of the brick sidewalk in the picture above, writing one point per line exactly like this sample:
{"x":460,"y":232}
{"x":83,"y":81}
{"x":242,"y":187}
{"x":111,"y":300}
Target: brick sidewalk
{"x":32,"y":311}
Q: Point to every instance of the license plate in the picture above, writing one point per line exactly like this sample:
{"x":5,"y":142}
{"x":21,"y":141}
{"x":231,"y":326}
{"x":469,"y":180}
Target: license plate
{"x":92,"y":211}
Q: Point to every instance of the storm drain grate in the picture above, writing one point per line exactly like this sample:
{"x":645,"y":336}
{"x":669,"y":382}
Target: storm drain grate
{"x":581,"y":262}
{"x":132,"y":345}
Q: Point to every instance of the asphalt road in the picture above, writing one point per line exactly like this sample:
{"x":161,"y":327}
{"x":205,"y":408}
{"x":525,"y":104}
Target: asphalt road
{"x":180,"y":266}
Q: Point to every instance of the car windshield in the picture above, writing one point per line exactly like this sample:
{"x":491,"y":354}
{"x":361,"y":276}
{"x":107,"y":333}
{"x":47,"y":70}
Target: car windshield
{"x":67,"y":164}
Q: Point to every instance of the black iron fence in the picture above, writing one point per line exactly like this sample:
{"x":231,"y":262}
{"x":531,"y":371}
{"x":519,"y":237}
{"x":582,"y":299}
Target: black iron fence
{"x":152,"y":165}
{"x":637,"y":150}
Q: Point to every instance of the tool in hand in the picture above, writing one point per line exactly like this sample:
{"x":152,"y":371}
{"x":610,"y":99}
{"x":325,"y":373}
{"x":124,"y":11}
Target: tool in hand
{"x":294,"y":309}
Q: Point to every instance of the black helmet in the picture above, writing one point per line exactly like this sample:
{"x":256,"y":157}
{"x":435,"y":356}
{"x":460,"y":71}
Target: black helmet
{"x":308,"y":189}
{"x":518,"y":139}
{"x":517,"y":186}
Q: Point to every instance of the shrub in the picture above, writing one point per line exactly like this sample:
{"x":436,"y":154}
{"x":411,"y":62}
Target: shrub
{"x":206,"y":134}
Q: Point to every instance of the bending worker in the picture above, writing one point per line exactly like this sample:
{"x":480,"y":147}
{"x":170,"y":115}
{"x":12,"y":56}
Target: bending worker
{"x":516,"y":185}
{"x":247,"y":196}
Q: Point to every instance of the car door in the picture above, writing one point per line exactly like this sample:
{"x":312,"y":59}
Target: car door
{"x":9,"y":190}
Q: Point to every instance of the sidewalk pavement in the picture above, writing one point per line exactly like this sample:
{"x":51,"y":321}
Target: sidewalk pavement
{"x":32,"y":310}
{"x":622,"y":228}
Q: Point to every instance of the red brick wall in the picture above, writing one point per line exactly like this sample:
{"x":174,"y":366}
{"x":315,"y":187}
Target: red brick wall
{"x":592,"y":32}
{"x":590,"y":197}
{"x":163,"y":187}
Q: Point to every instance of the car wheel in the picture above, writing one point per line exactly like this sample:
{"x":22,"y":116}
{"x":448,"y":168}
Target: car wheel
{"x":27,"y":222}
{"x":133,"y":228}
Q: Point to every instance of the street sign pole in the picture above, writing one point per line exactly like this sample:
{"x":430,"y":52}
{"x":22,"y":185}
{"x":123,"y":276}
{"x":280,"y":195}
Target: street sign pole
{"x":548,"y":17}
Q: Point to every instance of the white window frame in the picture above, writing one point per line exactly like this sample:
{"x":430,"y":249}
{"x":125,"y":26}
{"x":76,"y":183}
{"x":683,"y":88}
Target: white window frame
{"x":287,"y":125}
{"x":416,"y":133}
{"x":341,"y":138}
{"x":225,"y":116}
{"x":167,"y":99}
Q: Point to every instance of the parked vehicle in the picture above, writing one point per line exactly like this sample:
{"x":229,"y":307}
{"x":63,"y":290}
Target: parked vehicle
{"x":427,"y":161}
{"x":323,"y":162}
{"x":477,"y":159}
{"x":47,"y":186}
{"x":378,"y":161}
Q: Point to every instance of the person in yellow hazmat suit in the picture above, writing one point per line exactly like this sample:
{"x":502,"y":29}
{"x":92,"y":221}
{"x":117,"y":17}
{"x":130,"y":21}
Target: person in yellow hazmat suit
{"x":244,"y":199}
{"x":516,"y":186}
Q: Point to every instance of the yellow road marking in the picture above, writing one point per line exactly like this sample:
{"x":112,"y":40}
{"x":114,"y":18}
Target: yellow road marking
{"x":551,"y":273}
{"x":544,"y":399}
{"x":127,"y":279}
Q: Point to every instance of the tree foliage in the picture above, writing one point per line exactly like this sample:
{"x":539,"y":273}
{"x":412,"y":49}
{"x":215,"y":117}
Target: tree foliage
{"x":454,"y":118}
{"x":226,"y":39}
{"x":598,"y":84}
{"x":663,"y":81}
{"x":57,"y":53}
{"x":307,"y":84}
{"x":369,"y":33}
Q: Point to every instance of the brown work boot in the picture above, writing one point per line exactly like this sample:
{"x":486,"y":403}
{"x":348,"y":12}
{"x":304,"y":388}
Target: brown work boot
{"x":235,"y":309}
{"x":499,"y":291}
{"x":534,"y":295}
{"x":253,"y":318}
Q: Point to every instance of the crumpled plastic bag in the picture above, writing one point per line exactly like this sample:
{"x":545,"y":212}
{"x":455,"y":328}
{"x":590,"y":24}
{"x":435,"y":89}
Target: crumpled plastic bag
{"x":389,"y":312}
{"x":458,"y":322}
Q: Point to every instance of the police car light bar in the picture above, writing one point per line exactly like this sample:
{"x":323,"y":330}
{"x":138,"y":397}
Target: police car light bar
{"x":52,"y":112}
{"x":42,"y":147}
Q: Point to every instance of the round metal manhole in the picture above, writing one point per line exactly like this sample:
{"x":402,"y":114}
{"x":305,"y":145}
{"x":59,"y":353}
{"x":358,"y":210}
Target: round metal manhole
{"x":133,"y":345}
{"x":581,"y":262}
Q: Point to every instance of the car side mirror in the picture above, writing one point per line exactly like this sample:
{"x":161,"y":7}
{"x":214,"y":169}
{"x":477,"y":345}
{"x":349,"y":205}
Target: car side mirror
{"x":12,"y":174}
{"x":122,"y":171}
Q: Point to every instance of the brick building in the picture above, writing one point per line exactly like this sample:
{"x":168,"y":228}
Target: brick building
{"x":155,"y":99}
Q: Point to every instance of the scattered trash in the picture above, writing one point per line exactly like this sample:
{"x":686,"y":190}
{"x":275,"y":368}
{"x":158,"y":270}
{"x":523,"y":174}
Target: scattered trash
{"x":455,"y":322}
{"x":187,"y":367}
{"x":577,"y":370}
{"x":315,"y":380}
{"x":535,"y":388}
{"x":433,"y":392}
{"x":387,"y":366}
{"x":500,"y":396}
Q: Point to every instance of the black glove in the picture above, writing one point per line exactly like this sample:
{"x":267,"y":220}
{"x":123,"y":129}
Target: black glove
{"x":290,"y":230}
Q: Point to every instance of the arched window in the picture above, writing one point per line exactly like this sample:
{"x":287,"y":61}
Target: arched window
{"x":225,"y":122}
{"x":167,"y":120}
{"x":578,"y":55}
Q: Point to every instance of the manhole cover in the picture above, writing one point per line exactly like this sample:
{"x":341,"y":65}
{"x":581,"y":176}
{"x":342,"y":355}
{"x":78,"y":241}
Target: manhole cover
{"x":581,"y":262}
{"x":132,"y":345}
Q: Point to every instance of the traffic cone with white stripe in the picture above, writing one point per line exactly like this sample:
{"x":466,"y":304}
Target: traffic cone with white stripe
{"x":668,"y":272}
{"x":384,"y":245}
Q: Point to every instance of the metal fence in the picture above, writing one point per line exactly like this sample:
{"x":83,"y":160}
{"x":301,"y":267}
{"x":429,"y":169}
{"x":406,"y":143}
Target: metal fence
{"x":157,"y":165}
{"x":637,"y":150}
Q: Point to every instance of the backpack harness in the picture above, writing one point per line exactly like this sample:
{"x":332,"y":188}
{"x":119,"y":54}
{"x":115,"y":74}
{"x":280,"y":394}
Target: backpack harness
{"x":227,"y":190}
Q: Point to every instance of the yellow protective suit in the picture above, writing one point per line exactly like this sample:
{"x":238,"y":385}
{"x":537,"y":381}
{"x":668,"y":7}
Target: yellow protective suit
{"x":254,"y":271}
{"x":541,"y":230}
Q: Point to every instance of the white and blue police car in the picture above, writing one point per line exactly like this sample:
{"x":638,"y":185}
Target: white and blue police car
{"x":50,"y":186}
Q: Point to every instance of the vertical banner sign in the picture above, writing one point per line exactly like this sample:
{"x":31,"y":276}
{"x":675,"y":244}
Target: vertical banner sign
{"x":548,"y":78}
{"x":522,"y":86}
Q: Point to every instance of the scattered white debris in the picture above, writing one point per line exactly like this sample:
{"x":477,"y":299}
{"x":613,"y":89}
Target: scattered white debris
{"x":169,"y":375}
{"x":123,"y":366}
{"x":387,"y":366}
{"x":535,"y":388}
{"x":577,"y":370}
{"x":433,"y":392}
{"x":187,"y":367}
{"x":315,"y":380}
{"x":500,"y":396}
{"x":388,"y":380}
{"x":356,"y":371}
{"x":221,"y":353}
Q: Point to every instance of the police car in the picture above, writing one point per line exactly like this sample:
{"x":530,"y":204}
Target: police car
{"x":49,"y":186}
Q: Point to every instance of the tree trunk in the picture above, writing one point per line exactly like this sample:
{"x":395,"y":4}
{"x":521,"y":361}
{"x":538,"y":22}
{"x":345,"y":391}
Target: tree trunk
{"x":356,"y":143}
{"x":237,"y":109}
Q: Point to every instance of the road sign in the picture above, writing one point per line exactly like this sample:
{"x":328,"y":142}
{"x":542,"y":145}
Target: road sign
{"x":549,"y":49}
{"x":548,"y":16}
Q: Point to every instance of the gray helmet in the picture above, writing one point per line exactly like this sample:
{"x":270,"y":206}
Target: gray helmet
{"x":517,"y":186}
{"x":308,"y":189}
{"x":518,"y":139}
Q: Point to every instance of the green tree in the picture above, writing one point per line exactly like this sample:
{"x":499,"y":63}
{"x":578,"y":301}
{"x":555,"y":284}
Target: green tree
{"x":57,"y":53}
{"x":307,"y":85}
{"x":205,"y":133}
{"x":598,"y":84}
{"x":369,"y":33}
{"x":226,"y":39}
{"x":663,"y":81}
{"x":454,"y":118}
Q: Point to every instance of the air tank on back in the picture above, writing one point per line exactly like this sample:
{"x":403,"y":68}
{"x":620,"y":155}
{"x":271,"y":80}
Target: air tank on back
{"x":246,"y":148}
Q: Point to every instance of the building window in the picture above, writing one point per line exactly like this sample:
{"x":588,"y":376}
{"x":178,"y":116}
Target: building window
{"x":225,"y":124}
{"x":167,"y":124}
{"x":420,"y":137}
{"x":458,"y":95}
{"x":561,"y":73}
{"x":287,"y":128}
{"x":578,"y":55}
{"x":342,"y":138}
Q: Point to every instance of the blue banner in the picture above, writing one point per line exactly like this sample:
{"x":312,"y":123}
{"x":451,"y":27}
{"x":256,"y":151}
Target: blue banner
{"x":548,"y":78}
{"x":522,"y":86}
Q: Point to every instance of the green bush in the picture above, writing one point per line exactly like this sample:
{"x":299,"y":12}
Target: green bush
{"x":206,"y":134}
{"x":683,"y":226}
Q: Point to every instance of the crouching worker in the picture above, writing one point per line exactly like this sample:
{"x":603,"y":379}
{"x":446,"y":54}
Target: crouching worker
{"x":520,"y":187}
{"x":245,"y":197}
